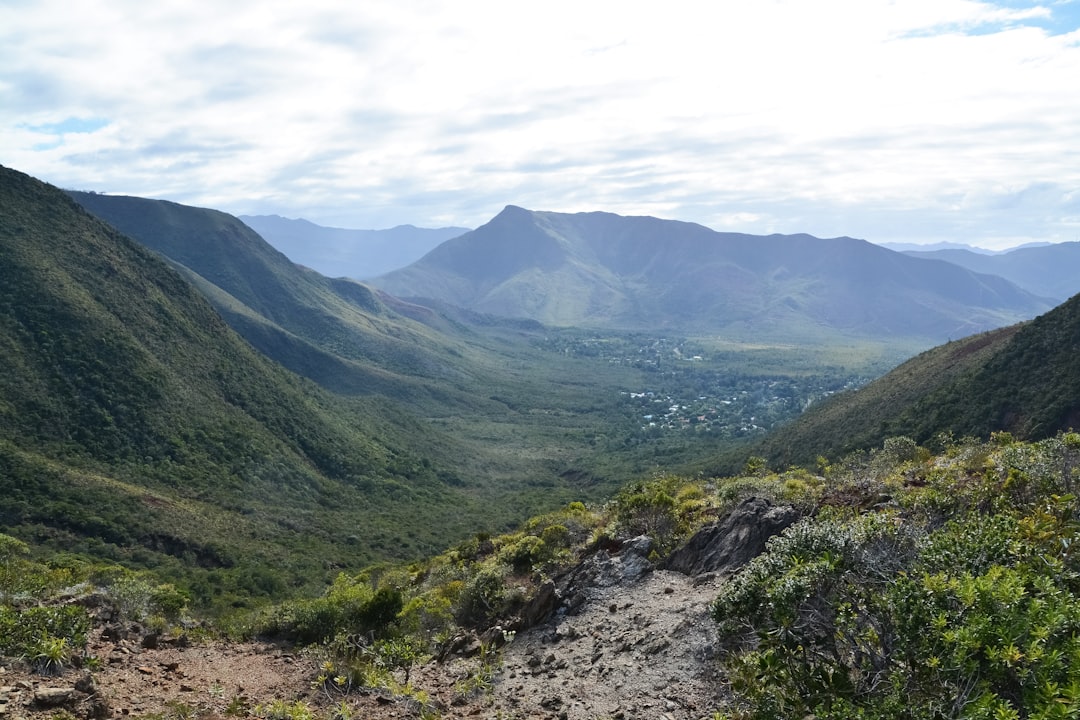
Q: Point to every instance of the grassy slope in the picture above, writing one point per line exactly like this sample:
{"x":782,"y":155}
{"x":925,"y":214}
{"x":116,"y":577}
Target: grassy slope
{"x":122,"y":383}
{"x":342,"y":317}
{"x":1022,"y":379}
{"x":863,"y":418}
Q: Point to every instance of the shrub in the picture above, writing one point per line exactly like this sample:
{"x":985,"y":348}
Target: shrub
{"x":883,"y":615}
{"x":140,"y":597}
{"x":664,"y":508}
{"x":35,"y":631}
{"x":350,"y":606}
{"x":484,"y":597}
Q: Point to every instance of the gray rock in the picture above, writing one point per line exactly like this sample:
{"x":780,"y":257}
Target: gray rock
{"x":730,"y":543}
{"x":538,"y":609}
{"x":86,"y":684}
{"x":53,"y":696}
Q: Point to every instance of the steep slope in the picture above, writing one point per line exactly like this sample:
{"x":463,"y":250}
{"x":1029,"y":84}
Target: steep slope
{"x":604,"y":270}
{"x":338,"y":332}
{"x":340,"y":252}
{"x":1023,"y":379}
{"x":138,"y":426}
{"x":1051,"y":271}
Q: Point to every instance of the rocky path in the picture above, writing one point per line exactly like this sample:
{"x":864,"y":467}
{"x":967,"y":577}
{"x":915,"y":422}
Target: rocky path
{"x":637,"y":650}
{"x":627,"y":641}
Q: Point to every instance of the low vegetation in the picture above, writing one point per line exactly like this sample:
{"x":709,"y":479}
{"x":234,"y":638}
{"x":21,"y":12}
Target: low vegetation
{"x":921,"y":586}
{"x":923,"y":582}
{"x":44,"y":619}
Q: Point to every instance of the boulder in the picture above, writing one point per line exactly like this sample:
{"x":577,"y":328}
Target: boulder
{"x":728,"y":544}
{"x":54,"y":696}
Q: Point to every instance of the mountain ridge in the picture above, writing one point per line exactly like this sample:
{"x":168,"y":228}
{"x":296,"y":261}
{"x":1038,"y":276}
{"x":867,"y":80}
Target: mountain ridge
{"x":604,"y":270}
{"x":298,"y":316}
{"x":1050,"y":270}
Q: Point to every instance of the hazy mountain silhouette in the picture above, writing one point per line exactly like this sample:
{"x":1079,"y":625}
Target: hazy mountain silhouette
{"x":603,"y":270}
{"x":339,"y":252}
{"x":1051,"y":271}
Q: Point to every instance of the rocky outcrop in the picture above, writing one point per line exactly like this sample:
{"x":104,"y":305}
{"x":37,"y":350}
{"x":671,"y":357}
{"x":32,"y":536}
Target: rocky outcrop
{"x":603,"y":570}
{"x":730,"y":543}
{"x":538,"y":609}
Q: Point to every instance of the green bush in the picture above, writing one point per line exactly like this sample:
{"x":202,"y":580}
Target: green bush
{"x":651,"y":508}
{"x":892,"y":613}
{"x":35,"y":633}
{"x":351,"y":606}
{"x":140,"y":597}
{"x":484,"y":597}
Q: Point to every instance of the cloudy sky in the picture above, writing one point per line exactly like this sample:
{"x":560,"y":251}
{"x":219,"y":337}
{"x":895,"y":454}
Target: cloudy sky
{"x":890,"y":120}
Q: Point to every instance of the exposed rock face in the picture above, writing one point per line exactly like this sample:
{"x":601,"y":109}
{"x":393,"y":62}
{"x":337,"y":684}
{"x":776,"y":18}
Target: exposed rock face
{"x":538,"y":609}
{"x":604,"y":570}
{"x":730,"y":543}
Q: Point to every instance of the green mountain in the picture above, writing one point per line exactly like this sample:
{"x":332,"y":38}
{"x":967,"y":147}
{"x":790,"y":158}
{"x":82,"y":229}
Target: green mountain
{"x":339,"y":333}
{"x":138,"y":426}
{"x":340,"y":252}
{"x":524,"y":419}
{"x":604,"y":270}
{"x":1022,"y":379}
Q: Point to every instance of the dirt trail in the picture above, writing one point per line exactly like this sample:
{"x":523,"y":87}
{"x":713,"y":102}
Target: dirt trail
{"x":642,"y":650}
{"x":627,"y":642}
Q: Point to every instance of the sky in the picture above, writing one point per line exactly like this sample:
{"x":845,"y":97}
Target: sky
{"x":889,"y":120}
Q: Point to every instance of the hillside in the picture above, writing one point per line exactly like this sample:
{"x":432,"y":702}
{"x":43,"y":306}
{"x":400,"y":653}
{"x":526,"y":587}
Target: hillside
{"x":604,"y":270}
{"x":1022,"y":379}
{"x":524,"y":418}
{"x":1051,"y":271}
{"x":138,"y":426}
{"x":340,"y":252}
{"x":337,"y":332}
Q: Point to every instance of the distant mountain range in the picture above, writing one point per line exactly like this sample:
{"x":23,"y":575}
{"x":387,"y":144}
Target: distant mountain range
{"x":931,"y":247}
{"x":338,"y":252}
{"x":603,"y":270}
{"x":1051,"y":270}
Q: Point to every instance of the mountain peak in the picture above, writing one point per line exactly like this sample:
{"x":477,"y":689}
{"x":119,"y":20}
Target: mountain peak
{"x":514,"y":213}
{"x":596,"y":269}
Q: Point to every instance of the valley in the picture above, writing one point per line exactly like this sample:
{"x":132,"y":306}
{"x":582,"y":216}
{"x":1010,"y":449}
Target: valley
{"x":427,"y":509}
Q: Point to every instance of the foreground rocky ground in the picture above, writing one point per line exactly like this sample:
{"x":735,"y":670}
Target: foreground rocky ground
{"x":637,"y":652}
{"x":623,"y":640}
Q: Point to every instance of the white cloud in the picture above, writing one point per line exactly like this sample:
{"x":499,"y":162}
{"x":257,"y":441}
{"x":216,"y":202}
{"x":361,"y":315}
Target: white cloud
{"x":889,"y":120}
